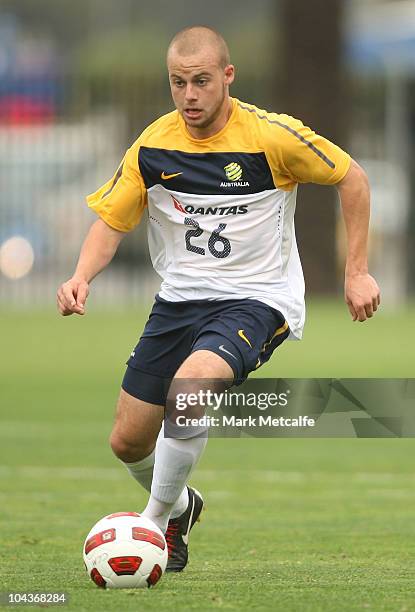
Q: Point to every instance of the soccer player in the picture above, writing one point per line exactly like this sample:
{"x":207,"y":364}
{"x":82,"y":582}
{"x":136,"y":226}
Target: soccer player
{"x":217,"y":181}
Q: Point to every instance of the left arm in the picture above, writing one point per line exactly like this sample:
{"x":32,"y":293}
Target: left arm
{"x":360,"y":289}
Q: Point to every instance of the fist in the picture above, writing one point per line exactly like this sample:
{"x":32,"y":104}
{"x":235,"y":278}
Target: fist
{"x":71,"y":297}
{"x":362,"y":296}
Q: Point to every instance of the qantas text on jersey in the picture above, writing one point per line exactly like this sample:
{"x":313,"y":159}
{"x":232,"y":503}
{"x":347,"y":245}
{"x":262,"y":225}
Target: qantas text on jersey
{"x":240,"y":209}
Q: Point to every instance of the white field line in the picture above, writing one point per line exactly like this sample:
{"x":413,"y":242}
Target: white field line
{"x":267,"y":476}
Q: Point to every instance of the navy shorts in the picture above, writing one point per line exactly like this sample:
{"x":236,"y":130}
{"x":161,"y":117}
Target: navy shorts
{"x":243,"y":332}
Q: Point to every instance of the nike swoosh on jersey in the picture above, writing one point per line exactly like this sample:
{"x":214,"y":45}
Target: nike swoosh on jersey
{"x":222,"y":348}
{"x":185,"y":536}
{"x":241,"y":334}
{"x":166,"y":177}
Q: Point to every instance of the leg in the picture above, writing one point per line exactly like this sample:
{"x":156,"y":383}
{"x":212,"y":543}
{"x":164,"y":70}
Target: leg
{"x":134,"y":434}
{"x":176,"y":459}
{"x":134,"y":437}
{"x":136,"y":428}
{"x":205,"y":364}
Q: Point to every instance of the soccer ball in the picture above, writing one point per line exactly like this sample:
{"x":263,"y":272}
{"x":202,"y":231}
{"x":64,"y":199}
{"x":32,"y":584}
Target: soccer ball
{"x":124,"y":551}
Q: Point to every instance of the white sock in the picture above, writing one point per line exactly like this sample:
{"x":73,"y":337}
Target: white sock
{"x":181,"y":504}
{"x":142,"y":472}
{"x":174,"y":462}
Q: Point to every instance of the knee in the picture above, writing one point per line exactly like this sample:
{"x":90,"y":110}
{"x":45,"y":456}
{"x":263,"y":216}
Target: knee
{"x":127,"y":450}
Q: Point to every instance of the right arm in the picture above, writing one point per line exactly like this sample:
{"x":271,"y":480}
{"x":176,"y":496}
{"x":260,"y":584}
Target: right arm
{"x":98,"y":249}
{"x":119,"y":203}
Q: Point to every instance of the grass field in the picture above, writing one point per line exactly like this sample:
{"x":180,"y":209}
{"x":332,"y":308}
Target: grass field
{"x":291,"y":524}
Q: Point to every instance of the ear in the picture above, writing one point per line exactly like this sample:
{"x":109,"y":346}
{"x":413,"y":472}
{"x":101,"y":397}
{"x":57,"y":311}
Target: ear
{"x":229,"y":74}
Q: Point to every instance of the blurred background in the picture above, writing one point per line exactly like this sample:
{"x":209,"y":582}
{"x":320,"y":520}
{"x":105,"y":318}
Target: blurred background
{"x":80,"y":79}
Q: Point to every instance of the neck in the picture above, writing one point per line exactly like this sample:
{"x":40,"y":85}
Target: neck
{"x":217,"y":124}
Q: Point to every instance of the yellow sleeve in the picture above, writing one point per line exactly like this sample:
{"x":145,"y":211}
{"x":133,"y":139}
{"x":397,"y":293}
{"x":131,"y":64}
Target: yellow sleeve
{"x":121,"y":201}
{"x":299,"y":155}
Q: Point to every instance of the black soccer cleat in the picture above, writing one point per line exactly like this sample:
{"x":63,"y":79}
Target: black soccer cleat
{"x":177,"y":534}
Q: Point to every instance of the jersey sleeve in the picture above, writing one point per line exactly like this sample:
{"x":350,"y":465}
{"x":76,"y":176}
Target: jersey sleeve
{"x":121,"y":201}
{"x":299,"y":155}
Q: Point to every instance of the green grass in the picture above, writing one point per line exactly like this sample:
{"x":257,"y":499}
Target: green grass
{"x":291,"y":524}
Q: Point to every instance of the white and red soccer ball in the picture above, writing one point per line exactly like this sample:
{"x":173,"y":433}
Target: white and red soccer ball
{"x":125,"y":551}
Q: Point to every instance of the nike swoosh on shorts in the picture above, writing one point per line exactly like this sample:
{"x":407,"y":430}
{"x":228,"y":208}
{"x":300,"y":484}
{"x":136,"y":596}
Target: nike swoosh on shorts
{"x":222,"y":348}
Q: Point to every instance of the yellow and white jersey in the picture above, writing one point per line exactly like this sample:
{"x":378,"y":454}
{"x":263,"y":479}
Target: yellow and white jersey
{"x":221,"y":209}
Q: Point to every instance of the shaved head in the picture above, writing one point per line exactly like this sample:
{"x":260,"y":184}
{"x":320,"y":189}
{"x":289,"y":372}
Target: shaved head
{"x":200,"y":74}
{"x":193,"y":40}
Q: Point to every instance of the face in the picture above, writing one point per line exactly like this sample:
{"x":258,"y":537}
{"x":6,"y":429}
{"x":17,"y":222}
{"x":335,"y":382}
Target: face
{"x":200,"y":91}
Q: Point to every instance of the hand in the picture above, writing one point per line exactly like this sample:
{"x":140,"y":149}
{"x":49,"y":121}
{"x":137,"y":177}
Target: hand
{"x":71,"y":297}
{"x":362,"y":296}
